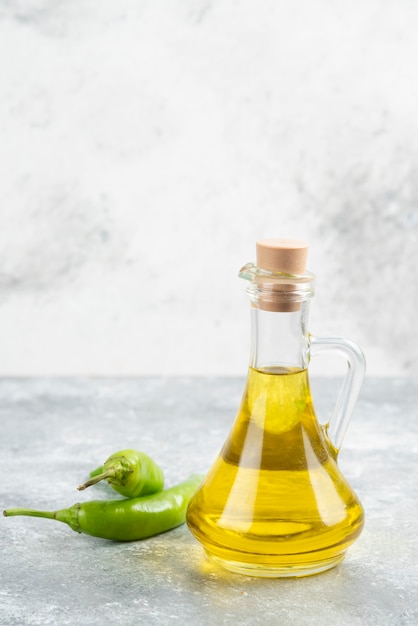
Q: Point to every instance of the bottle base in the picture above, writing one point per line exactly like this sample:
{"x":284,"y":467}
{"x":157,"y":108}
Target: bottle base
{"x":277,"y":571}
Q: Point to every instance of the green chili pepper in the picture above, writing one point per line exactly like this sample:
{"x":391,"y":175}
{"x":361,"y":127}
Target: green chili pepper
{"x":128,"y":519}
{"x":130,"y":472}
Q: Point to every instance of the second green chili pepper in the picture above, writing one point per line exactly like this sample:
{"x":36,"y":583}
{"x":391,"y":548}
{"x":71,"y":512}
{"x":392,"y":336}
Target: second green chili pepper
{"x":130,"y":472}
{"x":125,"y":520}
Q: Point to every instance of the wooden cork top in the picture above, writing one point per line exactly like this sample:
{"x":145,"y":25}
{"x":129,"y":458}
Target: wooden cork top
{"x":282,"y":255}
{"x":281,"y":291}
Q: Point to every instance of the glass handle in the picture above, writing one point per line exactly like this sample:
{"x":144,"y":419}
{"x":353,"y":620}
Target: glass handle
{"x":350,"y":390}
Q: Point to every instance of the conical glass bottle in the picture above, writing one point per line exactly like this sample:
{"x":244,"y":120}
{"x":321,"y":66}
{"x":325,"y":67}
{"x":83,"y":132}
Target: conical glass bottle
{"x":274,"y":502}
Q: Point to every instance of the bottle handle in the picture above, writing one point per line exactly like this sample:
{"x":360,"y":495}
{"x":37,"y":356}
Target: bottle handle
{"x":336,"y":427}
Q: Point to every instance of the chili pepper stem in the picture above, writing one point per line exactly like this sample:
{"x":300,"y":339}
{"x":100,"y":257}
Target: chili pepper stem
{"x":110,"y":473}
{"x":67,"y":516}
{"x":30,"y":512}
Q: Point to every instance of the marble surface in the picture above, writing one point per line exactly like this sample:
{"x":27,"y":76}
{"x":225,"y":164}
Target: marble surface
{"x":53,"y":431}
{"x":145,"y":146}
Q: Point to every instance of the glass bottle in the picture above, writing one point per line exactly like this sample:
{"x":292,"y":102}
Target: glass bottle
{"x":274,"y":503}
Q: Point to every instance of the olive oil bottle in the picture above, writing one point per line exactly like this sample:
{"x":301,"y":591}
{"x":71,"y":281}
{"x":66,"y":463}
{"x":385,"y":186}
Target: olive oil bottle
{"x":274,"y":502}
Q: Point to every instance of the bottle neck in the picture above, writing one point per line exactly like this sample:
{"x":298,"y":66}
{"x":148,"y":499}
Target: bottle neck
{"x":279,"y":340}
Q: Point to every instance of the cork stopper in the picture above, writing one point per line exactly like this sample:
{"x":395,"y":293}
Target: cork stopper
{"x":282,"y":255}
{"x":281,"y":292}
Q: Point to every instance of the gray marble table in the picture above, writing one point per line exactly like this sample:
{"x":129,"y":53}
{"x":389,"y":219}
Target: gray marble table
{"x":53,"y":431}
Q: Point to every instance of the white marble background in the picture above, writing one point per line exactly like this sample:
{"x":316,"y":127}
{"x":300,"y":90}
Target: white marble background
{"x":146,"y":144}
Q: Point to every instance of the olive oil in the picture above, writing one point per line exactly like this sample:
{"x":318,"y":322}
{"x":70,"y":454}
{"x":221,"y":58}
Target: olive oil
{"x":275,"y":503}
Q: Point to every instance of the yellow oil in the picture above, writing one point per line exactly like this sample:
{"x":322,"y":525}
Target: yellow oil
{"x":275,"y":503}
